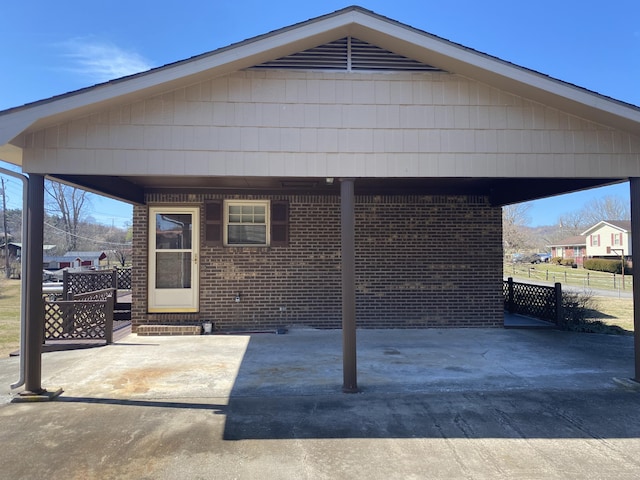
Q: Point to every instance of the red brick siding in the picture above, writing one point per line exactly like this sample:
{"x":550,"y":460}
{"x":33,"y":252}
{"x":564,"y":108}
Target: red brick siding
{"x":421,"y":261}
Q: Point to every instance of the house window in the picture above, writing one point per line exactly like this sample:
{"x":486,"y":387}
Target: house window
{"x":246,"y":223}
{"x":595,"y":240}
{"x":617,"y":239}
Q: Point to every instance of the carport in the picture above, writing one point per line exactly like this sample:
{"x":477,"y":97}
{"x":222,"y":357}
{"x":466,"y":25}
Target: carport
{"x":488,"y":132}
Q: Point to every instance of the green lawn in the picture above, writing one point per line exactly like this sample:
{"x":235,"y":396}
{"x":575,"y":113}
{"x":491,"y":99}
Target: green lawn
{"x":567,"y":276}
{"x":613,"y":311}
{"x":609,"y":310}
{"x":9,"y":316}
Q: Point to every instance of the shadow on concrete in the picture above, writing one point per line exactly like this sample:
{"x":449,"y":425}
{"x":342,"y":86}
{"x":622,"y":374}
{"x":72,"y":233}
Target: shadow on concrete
{"x":216,"y":408}
{"x":436,"y":384}
{"x":469,"y":415}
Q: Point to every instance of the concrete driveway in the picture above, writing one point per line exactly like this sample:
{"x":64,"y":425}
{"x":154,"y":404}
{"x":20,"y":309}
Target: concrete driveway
{"x":439,"y":403}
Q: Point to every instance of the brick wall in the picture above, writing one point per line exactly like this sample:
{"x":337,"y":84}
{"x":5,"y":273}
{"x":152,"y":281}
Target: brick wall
{"x":421,"y":261}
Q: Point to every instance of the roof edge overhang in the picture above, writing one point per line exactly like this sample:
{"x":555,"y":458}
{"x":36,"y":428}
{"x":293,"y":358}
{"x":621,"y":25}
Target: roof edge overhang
{"x":602,"y":223}
{"x":352,"y":21}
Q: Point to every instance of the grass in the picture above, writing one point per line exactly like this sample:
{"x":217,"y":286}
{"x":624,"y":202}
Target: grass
{"x":567,"y":276}
{"x":9,"y":316}
{"x":616,"y":312}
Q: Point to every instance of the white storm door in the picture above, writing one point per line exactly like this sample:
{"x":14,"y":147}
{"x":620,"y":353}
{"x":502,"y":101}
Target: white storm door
{"x":173,"y":259}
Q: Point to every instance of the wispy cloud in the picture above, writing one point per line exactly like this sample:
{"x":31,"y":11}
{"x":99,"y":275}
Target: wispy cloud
{"x":101,"y":61}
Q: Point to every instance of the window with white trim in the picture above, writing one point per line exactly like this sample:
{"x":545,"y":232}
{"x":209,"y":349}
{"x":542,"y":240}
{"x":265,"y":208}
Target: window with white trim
{"x":617,"y":239}
{"x":246,"y":223}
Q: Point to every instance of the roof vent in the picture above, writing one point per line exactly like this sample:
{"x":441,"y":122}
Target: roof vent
{"x":347,"y":54}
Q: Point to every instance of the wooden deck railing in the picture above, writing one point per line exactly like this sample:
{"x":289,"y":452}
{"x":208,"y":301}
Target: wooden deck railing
{"x":85,"y":316}
{"x":538,"y":301}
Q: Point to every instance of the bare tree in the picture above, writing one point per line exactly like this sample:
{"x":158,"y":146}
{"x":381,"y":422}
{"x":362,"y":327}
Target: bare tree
{"x":514,"y":220}
{"x":122,"y":255}
{"x":610,"y":207}
{"x":571,"y":223}
{"x":69,"y":203}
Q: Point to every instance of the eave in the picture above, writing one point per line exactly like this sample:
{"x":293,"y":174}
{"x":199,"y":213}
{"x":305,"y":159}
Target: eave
{"x":351,"y":21}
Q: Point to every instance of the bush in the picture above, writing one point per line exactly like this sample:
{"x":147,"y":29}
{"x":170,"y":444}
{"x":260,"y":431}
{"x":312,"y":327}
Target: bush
{"x":576,"y":306}
{"x":556,"y":260}
{"x":604,"y":265}
{"x":576,"y":309}
{"x":567,"y":262}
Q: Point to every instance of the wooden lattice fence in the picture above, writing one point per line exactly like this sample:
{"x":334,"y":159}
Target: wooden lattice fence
{"x":123,"y":278}
{"x":538,"y":301}
{"x":87,"y":281}
{"x":87,"y":316}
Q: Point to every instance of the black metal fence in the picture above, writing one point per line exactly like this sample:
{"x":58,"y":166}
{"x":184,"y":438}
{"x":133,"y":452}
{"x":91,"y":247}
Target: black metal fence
{"x":538,"y":301}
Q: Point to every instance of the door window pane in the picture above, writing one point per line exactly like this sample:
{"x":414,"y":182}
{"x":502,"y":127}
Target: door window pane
{"x":173,"y":270}
{"x":173,"y":231}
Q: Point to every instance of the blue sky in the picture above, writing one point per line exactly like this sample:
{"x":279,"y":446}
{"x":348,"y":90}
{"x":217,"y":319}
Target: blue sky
{"x":51,"y":48}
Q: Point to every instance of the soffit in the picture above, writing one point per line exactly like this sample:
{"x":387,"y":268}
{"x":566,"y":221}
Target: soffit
{"x":501,"y":191}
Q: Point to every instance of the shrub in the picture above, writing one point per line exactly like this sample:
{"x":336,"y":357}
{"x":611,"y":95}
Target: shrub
{"x":576,"y":309}
{"x":556,"y":260}
{"x":604,"y":265}
{"x":567,"y":262}
{"x":576,"y":306}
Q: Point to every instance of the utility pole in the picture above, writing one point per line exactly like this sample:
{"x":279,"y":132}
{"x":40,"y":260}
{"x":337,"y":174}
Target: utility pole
{"x":6,"y":235}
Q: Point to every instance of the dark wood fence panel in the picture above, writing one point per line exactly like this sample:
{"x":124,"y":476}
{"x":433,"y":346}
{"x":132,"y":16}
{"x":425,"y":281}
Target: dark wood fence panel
{"x":123,"y":275}
{"x":87,"y":281}
{"x":538,"y":301}
{"x":85,"y":319}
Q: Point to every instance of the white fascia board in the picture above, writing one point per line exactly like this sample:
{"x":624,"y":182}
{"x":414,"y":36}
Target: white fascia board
{"x":597,"y":226}
{"x":616,"y":227}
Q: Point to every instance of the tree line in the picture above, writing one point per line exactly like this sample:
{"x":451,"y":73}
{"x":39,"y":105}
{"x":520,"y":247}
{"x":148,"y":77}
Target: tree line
{"x":69,"y":226}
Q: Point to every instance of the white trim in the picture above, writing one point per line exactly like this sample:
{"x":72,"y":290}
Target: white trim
{"x":601,"y":224}
{"x":225,"y":221}
{"x":174,"y":300}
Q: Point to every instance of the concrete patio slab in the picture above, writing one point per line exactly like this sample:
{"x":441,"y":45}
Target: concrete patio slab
{"x":439,"y":403}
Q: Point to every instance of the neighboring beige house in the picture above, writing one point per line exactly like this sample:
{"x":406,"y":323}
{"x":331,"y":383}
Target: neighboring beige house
{"x":574,"y":247}
{"x":609,"y":239}
{"x":347,"y":170}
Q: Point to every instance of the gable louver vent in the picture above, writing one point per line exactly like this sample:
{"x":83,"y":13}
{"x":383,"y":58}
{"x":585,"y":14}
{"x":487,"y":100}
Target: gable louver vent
{"x":347,"y":54}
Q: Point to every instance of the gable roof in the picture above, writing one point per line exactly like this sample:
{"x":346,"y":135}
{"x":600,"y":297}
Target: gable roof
{"x":87,"y":255}
{"x":622,"y":225}
{"x":354,"y":21}
{"x":574,"y":241}
{"x":19,"y":246}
